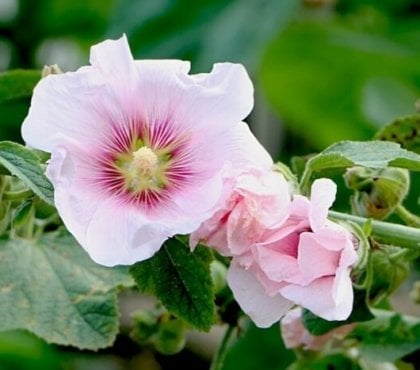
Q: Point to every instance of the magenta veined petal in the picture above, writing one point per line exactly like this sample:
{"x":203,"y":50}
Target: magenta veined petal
{"x":139,"y":147}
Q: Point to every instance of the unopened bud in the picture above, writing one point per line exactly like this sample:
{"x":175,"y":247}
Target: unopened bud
{"x":171,"y":337}
{"x":160,"y":329}
{"x":377,"y":191}
{"x":145,"y":325}
{"x":218,"y":274}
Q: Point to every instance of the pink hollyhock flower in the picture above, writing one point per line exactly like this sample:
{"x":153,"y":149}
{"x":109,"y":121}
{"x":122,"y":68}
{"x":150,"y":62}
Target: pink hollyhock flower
{"x":253,"y":202}
{"x":295,"y":335}
{"x":306,"y":260}
{"x":138,"y":148}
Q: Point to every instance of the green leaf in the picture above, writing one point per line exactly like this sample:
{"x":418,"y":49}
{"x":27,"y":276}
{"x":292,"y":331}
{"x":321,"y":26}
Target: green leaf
{"x":318,"y":326}
{"x":373,"y":154}
{"x":23,"y":163}
{"x":17,"y":84}
{"x":389,"y":268}
{"x":405,"y":131}
{"x":389,"y":337}
{"x":52,"y":289}
{"x":258,"y":349}
{"x":232,"y":36}
{"x":181,"y":280}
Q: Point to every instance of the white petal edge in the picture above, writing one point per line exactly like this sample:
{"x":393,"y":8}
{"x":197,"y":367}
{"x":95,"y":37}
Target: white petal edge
{"x":252,"y":298}
{"x":323,"y":192}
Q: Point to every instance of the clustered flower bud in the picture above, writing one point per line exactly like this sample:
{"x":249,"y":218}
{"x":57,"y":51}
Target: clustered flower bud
{"x":377,"y":191}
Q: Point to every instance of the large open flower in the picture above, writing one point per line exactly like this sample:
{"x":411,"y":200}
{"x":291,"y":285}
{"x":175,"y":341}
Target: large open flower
{"x":138,"y":147}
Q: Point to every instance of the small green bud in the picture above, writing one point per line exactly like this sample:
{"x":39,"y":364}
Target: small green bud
{"x":145,"y":325}
{"x":377,"y":191}
{"x":218,"y":274}
{"x":171,"y":337}
{"x":160,"y":329}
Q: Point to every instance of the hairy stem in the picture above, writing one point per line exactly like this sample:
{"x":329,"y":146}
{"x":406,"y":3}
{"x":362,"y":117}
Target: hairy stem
{"x":219,"y":356}
{"x":386,"y":232}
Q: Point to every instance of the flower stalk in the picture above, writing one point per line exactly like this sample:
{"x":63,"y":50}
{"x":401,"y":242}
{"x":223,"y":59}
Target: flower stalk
{"x":386,"y":232}
{"x":220,"y":355}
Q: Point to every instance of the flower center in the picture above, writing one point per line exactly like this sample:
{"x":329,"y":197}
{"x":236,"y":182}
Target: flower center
{"x":144,"y":164}
{"x":143,"y":169}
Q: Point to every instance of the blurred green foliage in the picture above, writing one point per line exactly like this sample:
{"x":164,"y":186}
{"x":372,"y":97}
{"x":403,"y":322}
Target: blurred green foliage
{"x":324,"y":70}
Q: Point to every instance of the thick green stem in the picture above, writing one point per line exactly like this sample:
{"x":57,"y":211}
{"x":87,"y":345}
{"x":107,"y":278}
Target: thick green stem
{"x":386,"y":232}
{"x":219,"y":356}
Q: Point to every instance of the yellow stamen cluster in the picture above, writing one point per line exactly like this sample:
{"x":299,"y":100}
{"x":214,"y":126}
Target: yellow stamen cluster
{"x":143,"y":169}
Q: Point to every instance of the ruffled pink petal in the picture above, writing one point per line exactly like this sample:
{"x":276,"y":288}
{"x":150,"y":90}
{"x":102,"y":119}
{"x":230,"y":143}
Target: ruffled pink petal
{"x":268,"y":196}
{"x":254,"y":301}
{"x":277,"y":266}
{"x":321,"y":295}
{"x":323,"y":193}
{"x":314,"y":259}
{"x":349,"y":255}
{"x":284,"y":240}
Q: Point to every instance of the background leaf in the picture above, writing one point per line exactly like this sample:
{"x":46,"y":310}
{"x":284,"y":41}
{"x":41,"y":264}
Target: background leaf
{"x":389,"y":337}
{"x":204,"y":32}
{"x":23,"y":163}
{"x":323,"y":78}
{"x":389,"y":268}
{"x":17,"y":84}
{"x":52,"y":289}
{"x":181,"y":280}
